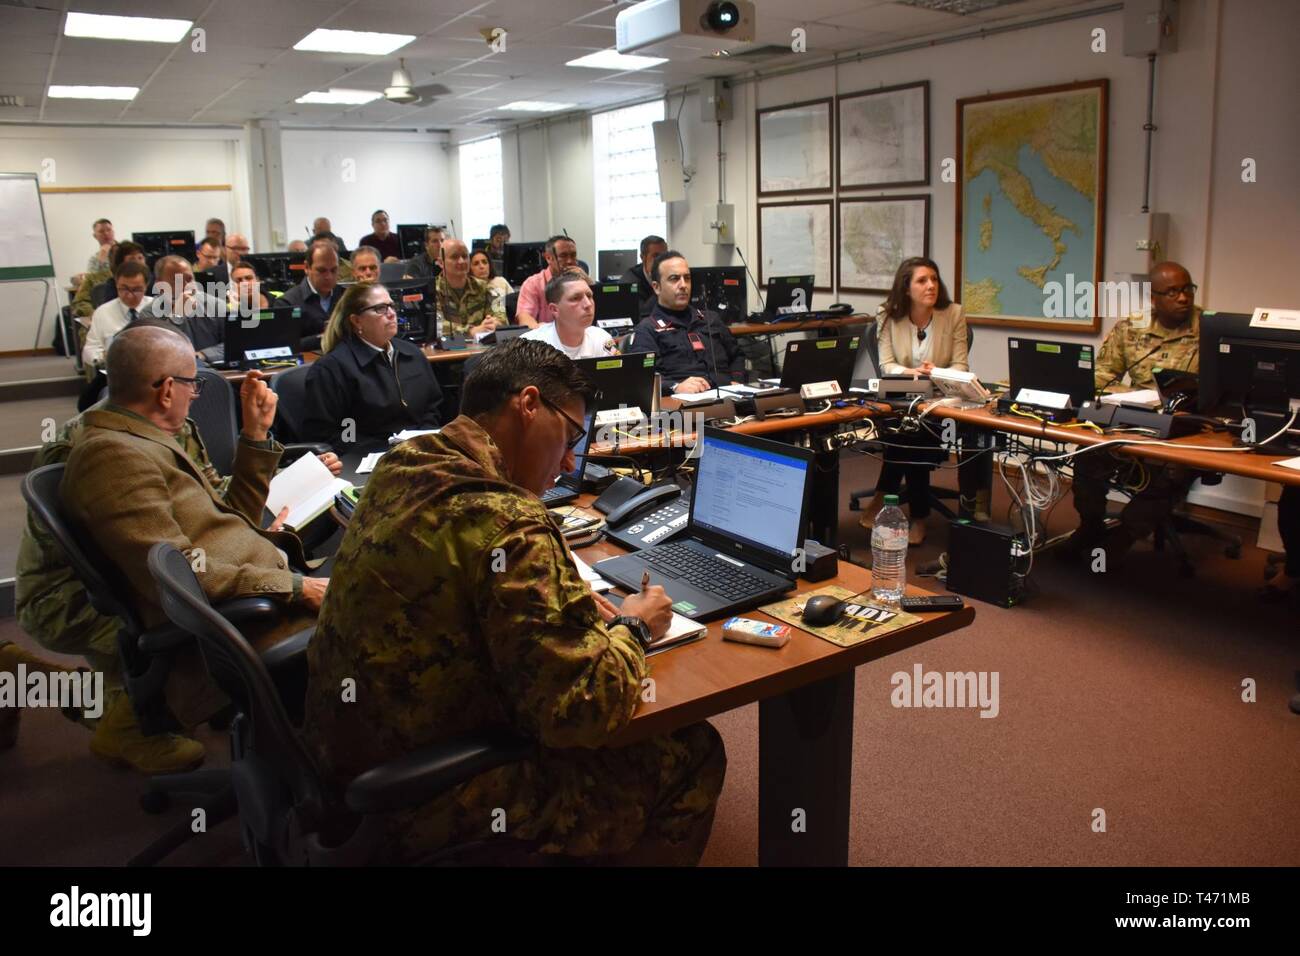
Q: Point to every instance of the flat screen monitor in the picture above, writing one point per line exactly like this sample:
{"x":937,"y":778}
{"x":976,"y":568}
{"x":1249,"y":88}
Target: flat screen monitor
{"x":621,"y":380}
{"x":159,"y":244}
{"x":521,"y":260}
{"x":1052,"y":367}
{"x":616,"y":302}
{"x":411,"y":238}
{"x":722,"y":289}
{"x":1247,"y":370}
{"x":820,"y":360}
{"x":789,"y":295}
{"x":613,"y":263}
{"x":285,"y":268}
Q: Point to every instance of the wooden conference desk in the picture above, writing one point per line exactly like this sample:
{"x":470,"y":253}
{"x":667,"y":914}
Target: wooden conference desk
{"x":804,"y":692}
{"x":1244,"y":463}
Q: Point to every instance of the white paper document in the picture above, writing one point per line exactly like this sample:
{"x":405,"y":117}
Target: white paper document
{"x":1292,"y":463}
{"x":406,"y":433}
{"x":1142,"y":398}
{"x":306,"y":487}
{"x":368,"y":463}
{"x":696,"y":398}
{"x":597,"y":583}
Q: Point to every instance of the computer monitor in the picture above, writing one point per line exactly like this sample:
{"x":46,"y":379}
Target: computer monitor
{"x":274,"y":329}
{"x":159,"y":244}
{"x":612,"y":263}
{"x":411,"y":239}
{"x":788,"y":295}
{"x":621,"y":380}
{"x":282,"y":269}
{"x":521,"y":260}
{"x":722,"y":289}
{"x":617,"y":306}
{"x":820,"y":360}
{"x":478,"y":244}
{"x":1249,"y":371}
{"x":415,"y":308}
{"x":1052,"y":367}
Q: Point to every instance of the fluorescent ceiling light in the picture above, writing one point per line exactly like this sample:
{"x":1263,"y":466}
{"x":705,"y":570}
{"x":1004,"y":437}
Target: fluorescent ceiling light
{"x":346,"y":97}
{"x":352,"y":41}
{"x":613,"y":60}
{"x":93,"y":92}
{"x":143,"y":29}
{"x":535,"y":106}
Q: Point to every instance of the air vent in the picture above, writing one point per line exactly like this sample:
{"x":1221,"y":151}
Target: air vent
{"x":7,"y":100}
{"x":755,"y":53}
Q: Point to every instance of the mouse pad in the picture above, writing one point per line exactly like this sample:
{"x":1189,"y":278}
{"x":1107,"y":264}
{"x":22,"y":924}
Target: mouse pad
{"x":862,"y":620}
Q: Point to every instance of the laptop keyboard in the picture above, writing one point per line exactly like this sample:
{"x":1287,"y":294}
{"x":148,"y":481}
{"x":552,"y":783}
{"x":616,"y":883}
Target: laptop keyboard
{"x":556,"y":491}
{"x":677,"y":560}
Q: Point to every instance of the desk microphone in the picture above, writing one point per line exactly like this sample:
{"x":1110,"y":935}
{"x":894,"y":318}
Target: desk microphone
{"x":453,"y":227}
{"x":762,"y":306}
{"x":713,"y":355}
{"x":1134,"y":365}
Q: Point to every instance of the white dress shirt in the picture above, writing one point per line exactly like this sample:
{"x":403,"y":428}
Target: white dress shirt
{"x":109,"y":319}
{"x":595,"y":342}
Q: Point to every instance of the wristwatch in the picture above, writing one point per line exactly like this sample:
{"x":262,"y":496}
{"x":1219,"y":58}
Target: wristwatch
{"x":638,"y":628}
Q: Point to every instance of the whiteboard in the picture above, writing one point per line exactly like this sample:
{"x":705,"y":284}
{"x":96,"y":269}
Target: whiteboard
{"x":24,"y":243}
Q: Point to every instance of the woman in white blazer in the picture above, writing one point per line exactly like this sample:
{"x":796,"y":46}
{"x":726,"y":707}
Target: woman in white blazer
{"x":919,"y":328}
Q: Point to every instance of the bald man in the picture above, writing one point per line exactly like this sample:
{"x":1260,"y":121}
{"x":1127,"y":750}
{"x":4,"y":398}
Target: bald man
{"x":236,"y":248}
{"x":1165,"y":336}
{"x":129,"y":484}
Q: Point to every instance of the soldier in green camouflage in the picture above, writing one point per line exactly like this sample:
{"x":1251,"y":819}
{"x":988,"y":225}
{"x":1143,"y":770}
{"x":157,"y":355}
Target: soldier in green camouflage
{"x":465,"y":304}
{"x":454,"y":606}
{"x":1166,"y":337}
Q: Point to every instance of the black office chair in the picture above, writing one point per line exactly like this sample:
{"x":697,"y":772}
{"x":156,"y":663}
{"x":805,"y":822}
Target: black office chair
{"x":216,"y":413}
{"x":1170,"y":534}
{"x":938,"y":496}
{"x":512,"y":307}
{"x":146,"y":654}
{"x":290,"y":387}
{"x":287,"y":813}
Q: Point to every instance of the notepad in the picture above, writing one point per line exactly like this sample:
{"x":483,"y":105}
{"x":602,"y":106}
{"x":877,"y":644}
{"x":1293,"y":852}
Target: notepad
{"x":369,"y":462}
{"x":306,"y":488}
{"x":682,"y":630}
{"x":697,"y":398}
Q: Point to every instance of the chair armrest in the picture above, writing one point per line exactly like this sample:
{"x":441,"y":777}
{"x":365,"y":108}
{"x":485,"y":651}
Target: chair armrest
{"x":296,"y":450}
{"x":419,"y":777}
{"x":237,"y":612}
{"x":290,"y":649}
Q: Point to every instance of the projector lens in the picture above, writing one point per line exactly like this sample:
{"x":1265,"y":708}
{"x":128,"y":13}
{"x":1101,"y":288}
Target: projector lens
{"x":721,"y":16}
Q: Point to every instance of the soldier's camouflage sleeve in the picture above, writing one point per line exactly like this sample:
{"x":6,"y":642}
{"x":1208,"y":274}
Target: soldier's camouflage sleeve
{"x":1112,"y":359}
{"x":572,"y":681}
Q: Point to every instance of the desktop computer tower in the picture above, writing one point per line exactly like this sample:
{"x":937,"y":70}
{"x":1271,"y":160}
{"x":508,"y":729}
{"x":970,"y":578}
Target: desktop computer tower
{"x":985,"y":562}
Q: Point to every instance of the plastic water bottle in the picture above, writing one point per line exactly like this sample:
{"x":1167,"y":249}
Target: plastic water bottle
{"x":889,"y":552}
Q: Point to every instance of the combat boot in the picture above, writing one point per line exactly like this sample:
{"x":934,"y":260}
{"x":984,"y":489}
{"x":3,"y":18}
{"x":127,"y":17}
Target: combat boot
{"x":11,"y":655}
{"x":119,"y":740}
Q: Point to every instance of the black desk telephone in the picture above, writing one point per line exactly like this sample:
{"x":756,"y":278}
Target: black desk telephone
{"x":639,"y":517}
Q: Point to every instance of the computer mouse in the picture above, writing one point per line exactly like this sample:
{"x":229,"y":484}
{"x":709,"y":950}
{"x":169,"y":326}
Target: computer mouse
{"x":821,"y":610}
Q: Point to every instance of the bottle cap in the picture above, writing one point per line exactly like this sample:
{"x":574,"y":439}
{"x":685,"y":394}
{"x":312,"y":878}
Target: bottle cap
{"x":891,"y":499}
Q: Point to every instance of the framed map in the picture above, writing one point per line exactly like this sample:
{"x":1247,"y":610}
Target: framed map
{"x":884,"y":137}
{"x":795,"y":239}
{"x":875,"y":235}
{"x":1031,"y":201}
{"x":794,"y":148}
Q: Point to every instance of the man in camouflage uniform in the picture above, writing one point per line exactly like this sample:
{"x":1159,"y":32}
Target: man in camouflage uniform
{"x":1166,"y":337}
{"x":454,"y":606}
{"x":466,"y":306}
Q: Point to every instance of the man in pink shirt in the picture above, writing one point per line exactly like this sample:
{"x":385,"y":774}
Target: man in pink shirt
{"x":561,"y":254}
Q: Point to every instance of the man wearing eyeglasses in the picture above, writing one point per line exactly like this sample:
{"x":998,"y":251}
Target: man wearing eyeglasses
{"x":1167,"y":336}
{"x":130,"y":484}
{"x":455,"y":607}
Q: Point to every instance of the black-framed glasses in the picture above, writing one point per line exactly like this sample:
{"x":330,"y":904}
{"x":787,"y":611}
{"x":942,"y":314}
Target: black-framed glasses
{"x":580,"y":430}
{"x":195,"y":383}
{"x":1190,"y":289}
{"x":379,"y":308}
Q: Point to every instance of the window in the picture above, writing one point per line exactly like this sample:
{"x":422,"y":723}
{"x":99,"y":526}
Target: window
{"x":628,"y":207}
{"x":482,"y":197}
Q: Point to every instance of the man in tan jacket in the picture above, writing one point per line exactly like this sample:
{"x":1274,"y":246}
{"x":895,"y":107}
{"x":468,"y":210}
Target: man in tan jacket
{"x":129,"y":484}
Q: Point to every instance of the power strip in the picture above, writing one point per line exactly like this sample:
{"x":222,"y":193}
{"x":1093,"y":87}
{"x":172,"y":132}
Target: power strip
{"x":820,"y":391}
{"x":861,"y":433}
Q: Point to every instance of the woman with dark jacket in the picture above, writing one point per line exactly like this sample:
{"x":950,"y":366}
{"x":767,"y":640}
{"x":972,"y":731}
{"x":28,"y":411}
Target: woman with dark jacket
{"x":368,"y":384}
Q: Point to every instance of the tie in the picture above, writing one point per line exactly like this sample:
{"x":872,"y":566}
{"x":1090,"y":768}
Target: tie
{"x":133,"y":314}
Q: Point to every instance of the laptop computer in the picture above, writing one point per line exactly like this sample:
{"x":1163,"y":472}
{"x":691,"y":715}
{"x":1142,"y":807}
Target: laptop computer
{"x":273,"y":334}
{"x":626,"y":380}
{"x":1051,"y":367}
{"x":747,"y":521}
{"x":569,"y":485}
{"x":788,"y":297}
{"x":820,"y":360}
{"x":618,"y":307}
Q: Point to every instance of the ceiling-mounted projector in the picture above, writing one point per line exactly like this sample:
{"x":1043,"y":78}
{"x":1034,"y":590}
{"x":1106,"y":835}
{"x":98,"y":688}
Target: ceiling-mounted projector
{"x":660,"y":27}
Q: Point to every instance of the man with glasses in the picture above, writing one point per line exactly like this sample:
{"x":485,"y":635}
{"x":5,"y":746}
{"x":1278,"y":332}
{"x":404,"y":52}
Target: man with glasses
{"x":1167,"y":336}
{"x":561,"y":255}
{"x":130,"y":483}
{"x":131,"y":279}
{"x":456,"y":608}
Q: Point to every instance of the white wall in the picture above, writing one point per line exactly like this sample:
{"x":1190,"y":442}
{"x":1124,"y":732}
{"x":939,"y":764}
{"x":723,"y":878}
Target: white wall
{"x":86,"y":156}
{"x":547,"y":172}
{"x":348,"y":175}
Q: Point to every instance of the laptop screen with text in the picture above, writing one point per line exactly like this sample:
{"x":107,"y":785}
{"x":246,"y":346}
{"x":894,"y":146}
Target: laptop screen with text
{"x":750,"y":494}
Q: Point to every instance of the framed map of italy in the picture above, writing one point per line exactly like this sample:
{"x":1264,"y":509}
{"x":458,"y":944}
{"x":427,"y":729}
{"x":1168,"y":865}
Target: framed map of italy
{"x":1031,"y":201}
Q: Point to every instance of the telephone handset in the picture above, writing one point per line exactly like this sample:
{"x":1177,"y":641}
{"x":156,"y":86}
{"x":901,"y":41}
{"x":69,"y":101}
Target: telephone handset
{"x":839,"y":308}
{"x":645,"y":501}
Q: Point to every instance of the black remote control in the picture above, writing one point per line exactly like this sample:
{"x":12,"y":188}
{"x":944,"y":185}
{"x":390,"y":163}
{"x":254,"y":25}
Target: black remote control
{"x":937,"y":602}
